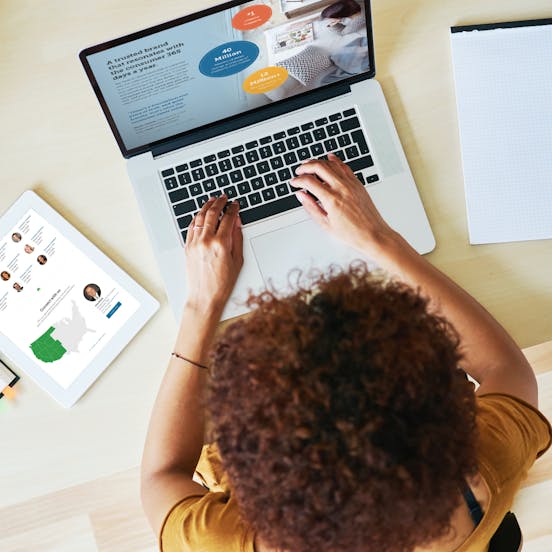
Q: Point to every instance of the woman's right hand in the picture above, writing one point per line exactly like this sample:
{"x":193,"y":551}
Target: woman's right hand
{"x":344,"y":207}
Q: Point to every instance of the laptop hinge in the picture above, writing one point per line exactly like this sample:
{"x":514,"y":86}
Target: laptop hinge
{"x":261,"y":114}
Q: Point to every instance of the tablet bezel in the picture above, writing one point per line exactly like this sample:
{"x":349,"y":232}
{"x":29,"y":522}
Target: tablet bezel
{"x":148,"y":305}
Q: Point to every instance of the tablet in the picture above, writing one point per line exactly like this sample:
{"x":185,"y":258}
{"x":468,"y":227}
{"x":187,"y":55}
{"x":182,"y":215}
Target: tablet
{"x":66,"y":310}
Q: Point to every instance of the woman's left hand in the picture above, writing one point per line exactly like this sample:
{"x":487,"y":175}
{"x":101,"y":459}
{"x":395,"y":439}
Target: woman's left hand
{"x":214,"y":255}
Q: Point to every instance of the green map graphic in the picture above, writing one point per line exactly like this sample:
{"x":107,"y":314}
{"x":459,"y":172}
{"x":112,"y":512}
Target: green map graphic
{"x":62,"y":337}
{"x":46,"y":348}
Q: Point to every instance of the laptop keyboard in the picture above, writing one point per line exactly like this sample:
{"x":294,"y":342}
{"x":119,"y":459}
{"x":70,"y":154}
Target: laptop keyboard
{"x":256,"y":174}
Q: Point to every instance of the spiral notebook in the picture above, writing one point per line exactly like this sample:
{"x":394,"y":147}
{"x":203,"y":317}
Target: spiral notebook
{"x":503,"y":82}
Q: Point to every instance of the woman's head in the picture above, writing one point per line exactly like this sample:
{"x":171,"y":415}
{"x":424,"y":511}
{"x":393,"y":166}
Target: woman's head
{"x":341,"y":417}
{"x":343,"y":8}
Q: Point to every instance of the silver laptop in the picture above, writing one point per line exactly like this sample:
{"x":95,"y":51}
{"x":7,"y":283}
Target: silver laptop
{"x":231,"y":100}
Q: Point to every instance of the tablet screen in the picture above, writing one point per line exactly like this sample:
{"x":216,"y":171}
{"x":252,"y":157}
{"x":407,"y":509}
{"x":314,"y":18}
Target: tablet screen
{"x":56,"y":305}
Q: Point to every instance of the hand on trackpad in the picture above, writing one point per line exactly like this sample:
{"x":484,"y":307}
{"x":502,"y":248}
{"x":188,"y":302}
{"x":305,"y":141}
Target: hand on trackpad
{"x":303,"y":245}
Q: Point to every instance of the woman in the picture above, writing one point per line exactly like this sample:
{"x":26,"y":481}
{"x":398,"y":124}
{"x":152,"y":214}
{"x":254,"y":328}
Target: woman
{"x":345,"y":16}
{"x":341,"y":415}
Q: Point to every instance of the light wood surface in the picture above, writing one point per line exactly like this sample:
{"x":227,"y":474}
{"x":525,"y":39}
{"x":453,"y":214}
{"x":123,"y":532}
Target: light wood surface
{"x":73,"y":473}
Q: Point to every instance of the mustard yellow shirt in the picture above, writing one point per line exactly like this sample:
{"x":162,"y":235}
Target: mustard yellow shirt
{"x":512,"y":434}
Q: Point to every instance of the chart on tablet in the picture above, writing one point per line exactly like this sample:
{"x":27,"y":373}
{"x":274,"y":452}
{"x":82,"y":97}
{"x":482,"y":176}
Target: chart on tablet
{"x":56,"y":304}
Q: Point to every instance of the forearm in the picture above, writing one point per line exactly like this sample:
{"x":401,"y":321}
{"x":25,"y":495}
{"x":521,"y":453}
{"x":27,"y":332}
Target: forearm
{"x":485,"y":344}
{"x":176,"y":430}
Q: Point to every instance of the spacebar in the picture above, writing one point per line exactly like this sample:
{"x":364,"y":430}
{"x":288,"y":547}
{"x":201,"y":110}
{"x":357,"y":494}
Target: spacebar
{"x":269,"y":209}
{"x":361,"y":163}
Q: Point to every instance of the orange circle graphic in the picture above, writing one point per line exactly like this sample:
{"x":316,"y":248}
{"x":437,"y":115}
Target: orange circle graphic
{"x":251,"y":17}
{"x":265,"y":80}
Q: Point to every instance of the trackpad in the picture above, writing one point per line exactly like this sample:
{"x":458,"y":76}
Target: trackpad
{"x":302,"y":246}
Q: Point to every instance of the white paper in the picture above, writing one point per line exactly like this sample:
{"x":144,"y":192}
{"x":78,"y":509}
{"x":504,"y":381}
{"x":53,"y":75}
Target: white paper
{"x":504,"y":96}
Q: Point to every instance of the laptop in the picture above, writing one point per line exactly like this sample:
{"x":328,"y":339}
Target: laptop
{"x":232,"y":100}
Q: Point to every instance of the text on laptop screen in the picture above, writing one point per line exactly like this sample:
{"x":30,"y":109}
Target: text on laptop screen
{"x":227,"y":63}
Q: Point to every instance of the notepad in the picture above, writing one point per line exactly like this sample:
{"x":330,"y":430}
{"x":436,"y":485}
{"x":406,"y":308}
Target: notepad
{"x":503,"y":78}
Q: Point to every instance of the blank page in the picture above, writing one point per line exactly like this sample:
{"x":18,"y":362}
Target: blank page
{"x":504,"y":96}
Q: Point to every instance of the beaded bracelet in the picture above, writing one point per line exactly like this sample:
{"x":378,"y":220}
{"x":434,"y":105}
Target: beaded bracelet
{"x":177,"y":355}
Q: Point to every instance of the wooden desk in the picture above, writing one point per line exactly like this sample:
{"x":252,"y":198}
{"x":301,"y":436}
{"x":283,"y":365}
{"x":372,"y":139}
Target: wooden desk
{"x":54,"y":139}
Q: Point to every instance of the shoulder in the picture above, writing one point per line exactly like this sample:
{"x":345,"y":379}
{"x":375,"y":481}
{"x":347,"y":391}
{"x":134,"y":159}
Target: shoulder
{"x":512,"y":435}
{"x":209,"y":522}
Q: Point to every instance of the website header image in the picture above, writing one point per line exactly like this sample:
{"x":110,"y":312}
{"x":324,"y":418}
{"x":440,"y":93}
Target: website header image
{"x":228,"y":63}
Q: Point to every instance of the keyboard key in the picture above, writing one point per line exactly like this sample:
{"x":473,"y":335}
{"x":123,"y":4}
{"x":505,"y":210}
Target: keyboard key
{"x":319,"y":134}
{"x":361,"y":163}
{"x":211,"y":170}
{"x":307,"y":126}
{"x":237,"y":149}
{"x":195,"y":189}
{"x":223,"y":180}
{"x":184,"y":207}
{"x":268,"y":209}
{"x":265,"y":152}
{"x":268,"y":194}
{"x":184,"y":222}
{"x":372,"y":178}
{"x":198,"y":174}
{"x":358,"y":137}
{"x":278,"y":148}
{"x":276,"y":163}
{"x":330,"y":145}
{"x":252,"y":156}
{"x":223,"y":154}
{"x":290,"y":158}
{"x":179,"y":195}
{"x":317,"y":150}
{"x":167,"y":172}
{"x":265,"y":140}
{"x":303,"y":154}
{"x":349,"y":112}
{"x":336,"y":117}
{"x":231,"y":192}
{"x":292,"y":143}
{"x":333,"y":129}
{"x":340,"y":154}
{"x":352,"y":152}
{"x":360,"y":176}
{"x":249,"y":171}
{"x":209,"y":185}
{"x":271,"y":179}
{"x":182,"y":168}
{"x":282,"y":190}
{"x":171,"y":183}
{"x":257,"y":183}
{"x":196,"y":163}
{"x":349,"y":124}
{"x":216,"y":193}
{"x":284,"y":175}
{"x":210,"y":159}
{"x":251,"y":145}
{"x":344,"y":140}
{"x":184,"y":179}
{"x":202,"y":200}
{"x":236,"y":176}
{"x":225,"y":165}
{"x":238,"y":161}
{"x":321,"y":122}
{"x":255,"y":198}
{"x":244,"y":188}
{"x":242,"y":202}
{"x":279,"y":136}
{"x":184,"y":235}
{"x":306,"y":139}
{"x":263,"y":167}
{"x":293,"y":131}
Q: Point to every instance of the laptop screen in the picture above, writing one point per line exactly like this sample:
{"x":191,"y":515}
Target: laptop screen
{"x":238,"y":57}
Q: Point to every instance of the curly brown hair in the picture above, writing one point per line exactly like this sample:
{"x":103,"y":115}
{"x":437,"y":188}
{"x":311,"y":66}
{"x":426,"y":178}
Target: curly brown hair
{"x":341,"y":416}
